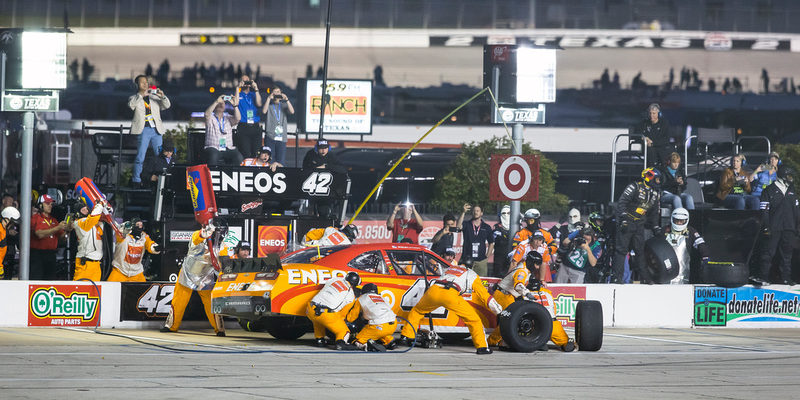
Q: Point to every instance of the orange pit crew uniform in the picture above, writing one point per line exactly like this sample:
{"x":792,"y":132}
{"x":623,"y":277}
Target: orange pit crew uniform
{"x":521,"y":252}
{"x":511,"y":287}
{"x":196,"y":274}
{"x":3,"y":248}
{"x":446,"y":292}
{"x":332,"y":304}
{"x":329,"y":236}
{"x":380,"y":319}
{"x":545,"y":297}
{"x":128,"y":255}
{"x":90,"y":246}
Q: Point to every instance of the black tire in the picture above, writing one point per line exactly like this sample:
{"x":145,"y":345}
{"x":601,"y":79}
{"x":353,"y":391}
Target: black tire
{"x":453,"y":338}
{"x":525,"y":326}
{"x":726,"y":274}
{"x":661,"y":260}
{"x":589,"y":325}
{"x":287,"y":328}
{"x":252,"y":326}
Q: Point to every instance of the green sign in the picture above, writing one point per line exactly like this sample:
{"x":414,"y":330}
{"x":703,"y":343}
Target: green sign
{"x":30,"y":101}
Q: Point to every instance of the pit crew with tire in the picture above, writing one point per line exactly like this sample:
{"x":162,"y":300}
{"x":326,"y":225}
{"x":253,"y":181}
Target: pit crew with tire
{"x":446,"y":292}
{"x":513,"y":286}
{"x":378,"y":333}
{"x":636,"y":208}
{"x":198,"y":274}
{"x":329,"y":307}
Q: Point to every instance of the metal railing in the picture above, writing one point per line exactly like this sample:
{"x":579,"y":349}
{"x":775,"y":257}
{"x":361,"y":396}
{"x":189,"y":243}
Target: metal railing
{"x":614,"y":158}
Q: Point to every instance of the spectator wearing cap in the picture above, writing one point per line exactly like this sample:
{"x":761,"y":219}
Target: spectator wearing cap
{"x":219,"y":134}
{"x":242,"y":250}
{"x":264,"y":159}
{"x":45,"y":232}
{"x":321,"y":157}
{"x":158,"y":165}
{"x":765,"y":174}
{"x":276,"y":110}
{"x":443,"y":239}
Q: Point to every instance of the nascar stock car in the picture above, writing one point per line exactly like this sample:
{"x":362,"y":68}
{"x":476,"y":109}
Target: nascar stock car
{"x":271,"y":294}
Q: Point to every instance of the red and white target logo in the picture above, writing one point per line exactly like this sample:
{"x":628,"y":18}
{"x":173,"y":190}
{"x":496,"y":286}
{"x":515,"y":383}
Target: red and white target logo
{"x":514,"y":177}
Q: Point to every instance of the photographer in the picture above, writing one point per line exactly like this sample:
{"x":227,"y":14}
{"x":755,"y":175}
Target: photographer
{"x":276,"y":109}
{"x":443,"y":239}
{"x":248,"y":101}
{"x":582,"y":249}
{"x":146,"y":104}
{"x":219,"y":134}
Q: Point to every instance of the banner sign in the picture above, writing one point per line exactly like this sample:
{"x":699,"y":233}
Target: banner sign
{"x":714,"y":41}
{"x":23,"y":100}
{"x":514,"y":177}
{"x":63,"y":305}
{"x":715,"y":306}
{"x":349,"y":110}
{"x":236,"y":39}
{"x":143,"y":301}
{"x":272,"y":239}
{"x":566,"y":299}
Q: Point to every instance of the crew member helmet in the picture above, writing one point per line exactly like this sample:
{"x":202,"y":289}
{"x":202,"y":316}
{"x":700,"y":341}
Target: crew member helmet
{"x":679,"y":219}
{"x":353,"y":279}
{"x":351,"y":231}
{"x":11,"y":213}
{"x":532,"y":213}
{"x":651,"y":177}
{"x":369,"y":288}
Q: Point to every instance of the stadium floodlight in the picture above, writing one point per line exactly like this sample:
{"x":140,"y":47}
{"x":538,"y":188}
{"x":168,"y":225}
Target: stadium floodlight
{"x":44,"y":60}
{"x":536,"y":75}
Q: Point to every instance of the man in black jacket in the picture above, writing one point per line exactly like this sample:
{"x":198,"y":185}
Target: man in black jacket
{"x":155,"y":166}
{"x":657,"y":137}
{"x":779,"y":206}
{"x":638,"y":206}
{"x":321,"y":157}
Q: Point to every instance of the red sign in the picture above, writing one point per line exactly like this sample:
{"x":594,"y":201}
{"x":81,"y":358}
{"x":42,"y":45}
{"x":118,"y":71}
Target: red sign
{"x":500,"y":53}
{"x":271,"y":239}
{"x":63,"y":305}
{"x":566,"y":299}
{"x":514,"y":177}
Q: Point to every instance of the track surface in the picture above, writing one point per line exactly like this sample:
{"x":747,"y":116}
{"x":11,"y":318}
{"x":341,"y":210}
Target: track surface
{"x":633,"y":364}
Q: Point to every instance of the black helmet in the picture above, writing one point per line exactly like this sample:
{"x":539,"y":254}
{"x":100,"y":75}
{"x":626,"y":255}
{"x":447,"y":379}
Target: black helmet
{"x":351,"y":231}
{"x":532,"y":259}
{"x":353,"y":279}
{"x":534,"y":285}
{"x":369,"y":288}
{"x":786,"y":173}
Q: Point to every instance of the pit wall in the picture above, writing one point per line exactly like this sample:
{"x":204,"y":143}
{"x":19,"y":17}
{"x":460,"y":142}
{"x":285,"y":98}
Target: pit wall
{"x":144,"y":305}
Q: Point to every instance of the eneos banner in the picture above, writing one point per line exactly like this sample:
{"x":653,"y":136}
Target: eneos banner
{"x":271,"y":239}
{"x":63,"y":305}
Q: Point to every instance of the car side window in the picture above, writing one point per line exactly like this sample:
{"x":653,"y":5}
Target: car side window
{"x":371,"y":261}
{"x":435,"y":265}
{"x":406,"y":262}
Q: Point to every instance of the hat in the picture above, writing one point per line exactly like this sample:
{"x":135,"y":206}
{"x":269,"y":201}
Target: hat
{"x":774,"y":154}
{"x":168,"y":145}
{"x":46,"y":199}
{"x":266,"y":149}
{"x":322,"y":143}
{"x":243,"y":245}
{"x":450,"y":251}
{"x":538,"y":234}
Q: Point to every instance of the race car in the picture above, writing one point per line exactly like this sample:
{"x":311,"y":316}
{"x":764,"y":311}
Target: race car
{"x":271,"y":294}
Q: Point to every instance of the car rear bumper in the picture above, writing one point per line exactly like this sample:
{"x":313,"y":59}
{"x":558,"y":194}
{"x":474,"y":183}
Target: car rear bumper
{"x":245,"y":307}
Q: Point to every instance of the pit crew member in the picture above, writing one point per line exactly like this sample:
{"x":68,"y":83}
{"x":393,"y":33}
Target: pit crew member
{"x":9,"y":218}
{"x":89,"y":231}
{"x":514,"y":286}
{"x":328,"y":309}
{"x":544,"y":296}
{"x":263,"y":159}
{"x":636,"y":208}
{"x":683,"y":238}
{"x":242,"y":250}
{"x":535,"y":243}
{"x":533,"y":220}
{"x":780,"y":217}
{"x":331,"y":236}
{"x":129,"y":252}
{"x":379,"y":331}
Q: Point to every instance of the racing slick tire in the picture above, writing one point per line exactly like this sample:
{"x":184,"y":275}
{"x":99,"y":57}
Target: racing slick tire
{"x":251,"y":325}
{"x":726,"y":274}
{"x":661,"y":260}
{"x":525,"y":326}
{"x":287,"y":328}
{"x":589,"y":325}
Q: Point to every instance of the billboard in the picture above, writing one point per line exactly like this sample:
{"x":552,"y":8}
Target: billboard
{"x":349,"y":110}
{"x":63,"y":305}
{"x":746,"y":307}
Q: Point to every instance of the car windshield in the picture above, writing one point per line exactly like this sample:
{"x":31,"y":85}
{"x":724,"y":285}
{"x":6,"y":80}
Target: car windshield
{"x":310,"y":254}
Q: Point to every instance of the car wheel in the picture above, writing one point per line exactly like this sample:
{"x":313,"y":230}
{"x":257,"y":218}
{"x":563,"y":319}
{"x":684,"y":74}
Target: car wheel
{"x":287,"y":328}
{"x":589,"y":325}
{"x":525,"y":326}
{"x":660,"y":260}
{"x":453,"y":338}
{"x":252,"y":326}
{"x":726,"y":274}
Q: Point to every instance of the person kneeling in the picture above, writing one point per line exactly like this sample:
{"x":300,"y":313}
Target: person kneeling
{"x":377,"y":335}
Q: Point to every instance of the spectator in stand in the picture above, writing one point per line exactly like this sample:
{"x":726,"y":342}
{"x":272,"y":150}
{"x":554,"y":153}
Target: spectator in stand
{"x":478,"y":240}
{"x":501,"y":239}
{"x":276,"y":109}
{"x":443,"y":239}
{"x":264,"y":160}
{"x":673,"y":184}
{"x":408,"y":226}
{"x":157,"y":166}
{"x":320,"y":157}
{"x":146,"y":104}
{"x":734,"y":186}
{"x":247,"y":103}
{"x":657,"y":137}
{"x":219,"y":134}
{"x":582,"y":253}
{"x":765,"y":174}
{"x":45,"y":232}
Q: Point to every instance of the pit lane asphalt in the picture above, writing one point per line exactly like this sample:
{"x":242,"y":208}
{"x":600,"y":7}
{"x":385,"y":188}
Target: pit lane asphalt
{"x":37,"y":363}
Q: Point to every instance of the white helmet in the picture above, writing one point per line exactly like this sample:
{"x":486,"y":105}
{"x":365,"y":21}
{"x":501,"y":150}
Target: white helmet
{"x":679,"y":219}
{"x":10,"y":213}
{"x":573,"y":217}
{"x":532,"y":213}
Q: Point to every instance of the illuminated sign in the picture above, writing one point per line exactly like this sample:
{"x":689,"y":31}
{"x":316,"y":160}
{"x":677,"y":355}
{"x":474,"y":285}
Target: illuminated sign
{"x":348,"y":111}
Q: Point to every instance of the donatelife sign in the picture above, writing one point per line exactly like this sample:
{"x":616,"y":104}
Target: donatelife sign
{"x":63,"y":305}
{"x":746,"y":307}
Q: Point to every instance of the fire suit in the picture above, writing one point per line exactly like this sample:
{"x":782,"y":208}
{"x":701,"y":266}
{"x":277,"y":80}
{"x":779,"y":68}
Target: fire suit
{"x":329,"y":307}
{"x":90,"y":246}
{"x":545,"y":297}
{"x":329,"y":236}
{"x":446,"y":292}
{"x":521,"y":252}
{"x":380,"y":319}
{"x":637,"y":207}
{"x":128,"y":255}
{"x":526,"y":233}
{"x":682,"y":242}
{"x":781,"y":214}
{"x":509,"y":289}
{"x":196,"y":274}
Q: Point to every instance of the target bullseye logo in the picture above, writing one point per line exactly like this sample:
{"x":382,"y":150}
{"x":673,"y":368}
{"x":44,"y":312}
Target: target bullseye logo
{"x":514,"y":177}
